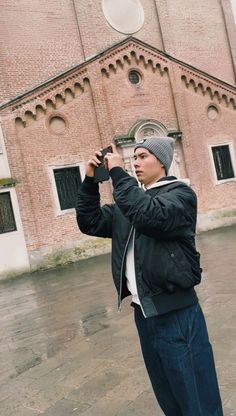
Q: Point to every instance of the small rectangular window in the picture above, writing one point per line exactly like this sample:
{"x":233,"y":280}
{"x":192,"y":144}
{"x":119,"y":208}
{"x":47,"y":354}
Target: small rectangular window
{"x":7,"y":219}
{"x":222,"y":161}
{"x":67,"y":183}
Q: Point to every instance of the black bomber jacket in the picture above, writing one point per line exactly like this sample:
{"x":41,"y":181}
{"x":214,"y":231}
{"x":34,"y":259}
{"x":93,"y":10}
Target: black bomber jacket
{"x":167,"y":264}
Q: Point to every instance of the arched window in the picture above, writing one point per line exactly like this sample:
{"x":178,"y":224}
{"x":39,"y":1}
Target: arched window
{"x":149,"y":128}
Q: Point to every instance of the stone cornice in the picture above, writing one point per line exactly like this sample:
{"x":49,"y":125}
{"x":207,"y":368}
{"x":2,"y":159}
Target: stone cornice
{"x":225,"y":94}
{"x":133,"y":53}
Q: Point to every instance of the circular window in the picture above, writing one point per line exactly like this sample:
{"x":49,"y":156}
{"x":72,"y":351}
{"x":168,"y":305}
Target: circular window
{"x":212,"y":112}
{"x":57,"y":124}
{"x":125,"y":16}
{"x":134,"y":77}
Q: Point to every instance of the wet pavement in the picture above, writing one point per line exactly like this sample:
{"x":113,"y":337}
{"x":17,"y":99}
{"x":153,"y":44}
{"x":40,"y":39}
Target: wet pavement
{"x":65,"y":350}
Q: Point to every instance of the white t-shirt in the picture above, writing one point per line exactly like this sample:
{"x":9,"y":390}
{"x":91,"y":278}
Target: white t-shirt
{"x":130,"y":270}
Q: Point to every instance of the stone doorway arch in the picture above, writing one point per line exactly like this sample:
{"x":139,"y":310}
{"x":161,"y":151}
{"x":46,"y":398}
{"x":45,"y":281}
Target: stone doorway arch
{"x":144,"y":128}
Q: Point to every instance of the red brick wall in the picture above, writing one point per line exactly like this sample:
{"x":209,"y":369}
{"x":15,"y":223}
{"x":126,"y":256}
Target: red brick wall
{"x":110,"y":105}
{"x":204,"y":132}
{"x":195,"y":32}
{"x":42,"y":39}
{"x":38,"y":41}
{"x":128,"y":103}
{"x":37,"y":150}
{"x":97,"y":34}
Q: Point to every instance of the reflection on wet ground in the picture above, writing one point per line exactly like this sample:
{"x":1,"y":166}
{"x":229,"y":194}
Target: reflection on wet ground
{"x":64,"y":348}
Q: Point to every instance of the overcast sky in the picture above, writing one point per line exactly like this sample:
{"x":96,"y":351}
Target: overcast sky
{"x":234,"y":8}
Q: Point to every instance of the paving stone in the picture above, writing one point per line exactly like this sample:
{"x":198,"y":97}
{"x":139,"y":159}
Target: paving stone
{"x":67,"y":407}
{"x":65,"y":350}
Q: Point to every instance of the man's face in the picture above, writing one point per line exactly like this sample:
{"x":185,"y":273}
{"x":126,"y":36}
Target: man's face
{"x":147,"y":167}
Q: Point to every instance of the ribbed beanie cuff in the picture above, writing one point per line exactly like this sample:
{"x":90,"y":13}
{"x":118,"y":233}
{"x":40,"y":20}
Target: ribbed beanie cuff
{"x":161,"y":147}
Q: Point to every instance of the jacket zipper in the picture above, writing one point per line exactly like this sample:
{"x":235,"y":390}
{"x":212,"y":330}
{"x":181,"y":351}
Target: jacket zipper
{"x":122,"y":267}
{"x":141,"y":306}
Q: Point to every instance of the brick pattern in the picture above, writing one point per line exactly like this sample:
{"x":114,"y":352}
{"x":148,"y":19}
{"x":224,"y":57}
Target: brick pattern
{"x":38,"y":41}
{"x":197,"y":33}
{"x":41,"y":40}
{"x":97,"y":103}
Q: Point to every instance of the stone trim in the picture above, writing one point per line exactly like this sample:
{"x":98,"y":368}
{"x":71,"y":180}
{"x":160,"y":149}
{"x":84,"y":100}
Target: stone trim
{"x":48,"y":101}
{"x":206,"y":87}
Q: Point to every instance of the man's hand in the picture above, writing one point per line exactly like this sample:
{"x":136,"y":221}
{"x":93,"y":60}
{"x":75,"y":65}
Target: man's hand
{"x":113,"y":159}
{"x":93,"y":163}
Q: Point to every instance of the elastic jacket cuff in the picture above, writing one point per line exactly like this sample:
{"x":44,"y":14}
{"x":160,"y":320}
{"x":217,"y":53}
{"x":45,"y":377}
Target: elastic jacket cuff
{"x":118,"y":173}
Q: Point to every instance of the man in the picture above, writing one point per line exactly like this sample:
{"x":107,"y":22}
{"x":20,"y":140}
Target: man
{"x":154,"y":259}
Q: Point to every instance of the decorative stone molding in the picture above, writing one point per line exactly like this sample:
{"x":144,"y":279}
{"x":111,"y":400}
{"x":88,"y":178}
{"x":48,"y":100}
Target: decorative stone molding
{"x":133,"y":54}
{"x":206,"y":87}
{"x":124,"y":140}
{"x":130,"y":52}
{"x":143,"y":128}
{"x":38,"y":106}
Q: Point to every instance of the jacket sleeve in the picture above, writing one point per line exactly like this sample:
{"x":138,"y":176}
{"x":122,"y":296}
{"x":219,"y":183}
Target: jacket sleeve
{"x":170,"y":214}
{"x":93,"y":219}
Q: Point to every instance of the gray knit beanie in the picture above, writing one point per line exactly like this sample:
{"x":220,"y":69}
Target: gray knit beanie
{"x":161,"y":147}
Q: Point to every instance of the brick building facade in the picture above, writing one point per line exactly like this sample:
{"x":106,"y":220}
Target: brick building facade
{"x":72,"y":82}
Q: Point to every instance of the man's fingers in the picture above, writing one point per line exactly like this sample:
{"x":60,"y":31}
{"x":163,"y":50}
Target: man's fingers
{"x":94,"y":162}
{"x":98,"y":161}
{"x":113,"y":146}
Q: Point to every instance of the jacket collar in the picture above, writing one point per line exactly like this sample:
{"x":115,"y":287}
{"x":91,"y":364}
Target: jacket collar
{"x":166,"y":180}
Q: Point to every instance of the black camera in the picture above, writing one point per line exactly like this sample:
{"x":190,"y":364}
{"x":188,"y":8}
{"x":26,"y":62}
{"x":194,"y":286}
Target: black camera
{"x":101,"y":174}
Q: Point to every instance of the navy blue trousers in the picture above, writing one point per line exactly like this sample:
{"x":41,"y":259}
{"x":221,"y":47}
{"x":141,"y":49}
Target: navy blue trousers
{"x":180,"y":363}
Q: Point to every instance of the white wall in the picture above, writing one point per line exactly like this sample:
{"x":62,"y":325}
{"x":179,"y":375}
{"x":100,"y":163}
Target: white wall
{"x":4,"y":168}
{"x":233,"y":2}
{"x":13,"y":252}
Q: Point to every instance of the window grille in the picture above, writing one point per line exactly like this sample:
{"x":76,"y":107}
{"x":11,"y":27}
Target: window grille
{"x":7,"y":219}
{"x":223,"y":163}
{"x":67,"y":183}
